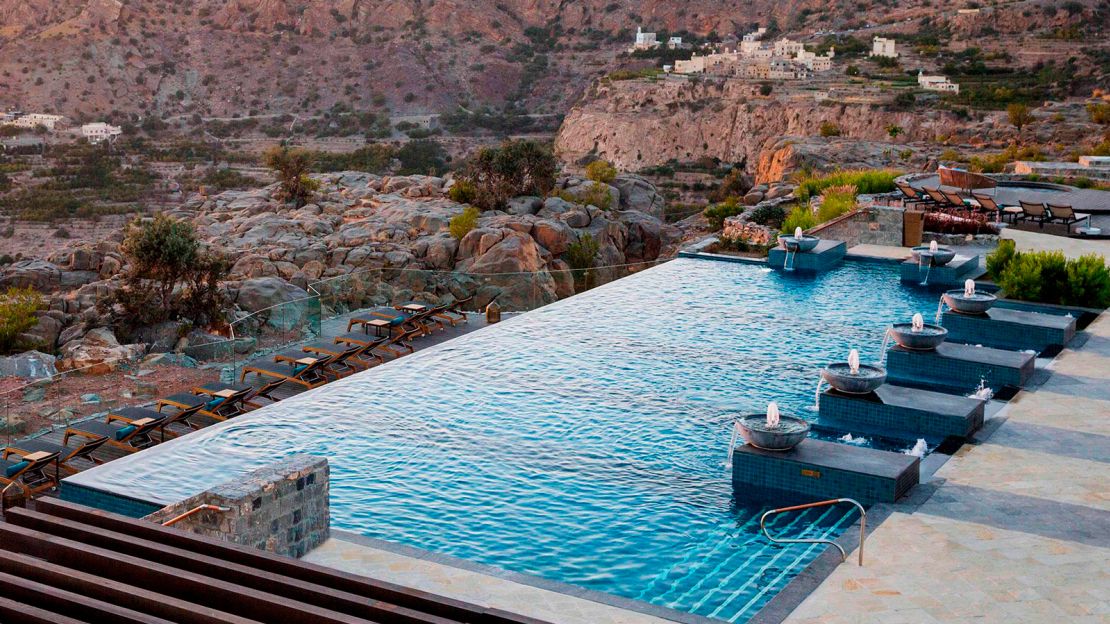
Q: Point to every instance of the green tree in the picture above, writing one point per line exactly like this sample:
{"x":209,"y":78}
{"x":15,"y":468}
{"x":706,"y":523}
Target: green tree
{"x":423,"y":157}
{"x":581,"y":255}
{"x":291,"y":168}
{"x":19,"y":308}
{"x":893,"y":131}
{"x":497,"y":174}
{"x":1019,"y":115}
{"x":169,"y":276}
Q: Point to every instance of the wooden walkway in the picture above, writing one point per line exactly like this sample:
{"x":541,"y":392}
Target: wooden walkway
{"x":331,"y":327}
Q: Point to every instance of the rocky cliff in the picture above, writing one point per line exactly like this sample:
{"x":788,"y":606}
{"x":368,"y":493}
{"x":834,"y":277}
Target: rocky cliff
{"x":637,"y":123}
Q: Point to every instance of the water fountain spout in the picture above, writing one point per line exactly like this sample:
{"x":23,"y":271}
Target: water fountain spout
{"x":798,"y":233}
{"x":772,"y":415}
{"x":853,"y":361}
{"x":918,"y":323}
{"x":933,"y":246}
{"x":969,"y":288}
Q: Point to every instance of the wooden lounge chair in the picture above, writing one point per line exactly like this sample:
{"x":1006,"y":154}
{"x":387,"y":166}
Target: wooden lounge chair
{"x":350,"y":354}
{"x":33,"y":473}
{"x":186,"y":405}
{"x":955,"y":200}
{"x":236,"y":399}
{"x":308,"y":372}
{"x":939,"y":200}
{"x":1032,"y":212}
{"x":1065,"y":215}
{"x":423,"y":320}
{"x":66,"y":454}
{"x":128,"y":435}
{"x":335,"y":356}
{"x":453,"y":313}
{"x":400,"y":345}
{"x":989,"y":205}
{"x":910,"y":196}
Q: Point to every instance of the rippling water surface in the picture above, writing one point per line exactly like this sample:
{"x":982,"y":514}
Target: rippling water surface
{"x":583,"y":442}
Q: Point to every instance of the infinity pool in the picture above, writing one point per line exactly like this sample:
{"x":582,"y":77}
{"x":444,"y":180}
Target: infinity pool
{"x":584,"y":442}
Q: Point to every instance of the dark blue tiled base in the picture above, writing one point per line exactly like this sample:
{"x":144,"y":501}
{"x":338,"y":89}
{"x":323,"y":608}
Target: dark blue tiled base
{"x":950,"y":275}
{"x":959,"y":367}
{"x":900,"y":410}
{"x":115,"y":503}
{"x":817,"y":470}
{"x":827,"y":255}
{"x":1010,"y":329}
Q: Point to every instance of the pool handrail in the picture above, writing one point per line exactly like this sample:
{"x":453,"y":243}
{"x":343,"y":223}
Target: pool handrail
{"x":824,"y":503}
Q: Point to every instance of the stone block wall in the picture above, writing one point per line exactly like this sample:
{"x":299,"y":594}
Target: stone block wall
{"x":871,"y":225}
{"x":282,"y":508}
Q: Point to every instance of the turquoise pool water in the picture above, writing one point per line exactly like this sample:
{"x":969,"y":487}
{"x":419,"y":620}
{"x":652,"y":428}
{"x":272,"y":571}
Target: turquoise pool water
{"x":584,"y":442}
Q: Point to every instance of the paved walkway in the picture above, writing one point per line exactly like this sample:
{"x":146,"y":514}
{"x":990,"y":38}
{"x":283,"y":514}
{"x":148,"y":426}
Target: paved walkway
{"x":1019,"y":529}
{"x":1072,"y":247}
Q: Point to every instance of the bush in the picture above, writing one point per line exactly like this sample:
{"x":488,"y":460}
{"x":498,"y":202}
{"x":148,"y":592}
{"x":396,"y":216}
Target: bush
{"x":18,"y":313}
{"x":717,"y":213}
{"x":866,"y":181}
{"x":1000,"y":258}
{"x":291,"y":168}
{"x":497,"y":174}
{"x":1088,"y":282}
{"x":596,"y":194}
{"x":462,"y":223}
{"x":800,"y":217}
{"x":1050,"y":278}
{"x":943,"y":223}
{"x":735,"y":184}
{"x":771,"y":215}
{"x":580,"y":256}
{"x":829,"y":129}
{"x":1099,"y":112}
{"x":462,"y":191}
{"x":601,"y":171}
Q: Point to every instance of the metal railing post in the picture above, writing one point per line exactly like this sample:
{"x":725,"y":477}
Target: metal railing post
{"x":825,"y":503}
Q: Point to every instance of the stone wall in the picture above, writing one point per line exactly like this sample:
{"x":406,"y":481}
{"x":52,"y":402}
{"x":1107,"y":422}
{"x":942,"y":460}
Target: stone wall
{"x":871,"y":225}
{"x":282,"y":508}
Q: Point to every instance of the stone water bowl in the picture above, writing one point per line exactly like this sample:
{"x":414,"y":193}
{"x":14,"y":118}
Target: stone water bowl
{"x":786,"y":435}
{"x":799,"y":245}
{"x":977,"y":303}
{"x":940,"y":257}
{"x":927,"y":338}
{"x":865,"y":381}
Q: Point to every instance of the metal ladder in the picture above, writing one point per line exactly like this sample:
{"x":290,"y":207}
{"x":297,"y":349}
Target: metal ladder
{"x":824,"y":503}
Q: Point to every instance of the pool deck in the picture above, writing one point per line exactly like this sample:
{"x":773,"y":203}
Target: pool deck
{"x":1018,"y":529}
{"x":548,"y":601}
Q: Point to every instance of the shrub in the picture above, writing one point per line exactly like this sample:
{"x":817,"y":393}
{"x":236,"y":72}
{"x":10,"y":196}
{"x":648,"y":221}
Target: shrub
{"x":800,"y":217}
{"x":18,"y":313}
{"x":1099,"y":112}
{"x":596,"y":194}
{"x":1022,"y":278}
{"x":866,"y":181}
{"x":291,"y":168}
{"x":601,"y":171}
{"x":829,"y":129}
{"x":1000,"y":258}
{"x":771,"y":215}
{"x":1088,"y":282}
{"x":580,"y":256}
{"x":498,"y":174}
{"x":462,"y":223}
{"x":1019,"y":115}
{"x":462,"y":191}
{"x":735,"y":184}
{"x":717,"y":213}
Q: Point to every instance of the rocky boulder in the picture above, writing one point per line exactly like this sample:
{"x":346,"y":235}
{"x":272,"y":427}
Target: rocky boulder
{"x":28,"y":365}
{"x":41,"y":275}
{"x":278,"y":303}
{"x":638,"y":194}
{"x":98,"y":352}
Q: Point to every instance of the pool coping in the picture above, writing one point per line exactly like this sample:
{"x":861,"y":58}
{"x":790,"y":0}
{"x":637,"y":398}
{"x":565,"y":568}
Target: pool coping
{"x":569,"y":589}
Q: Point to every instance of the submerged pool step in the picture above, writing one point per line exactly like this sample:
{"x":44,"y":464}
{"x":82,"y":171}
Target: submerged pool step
{"x":959,"y":367}
{"x":1004,"y":328}
{"x":893,"y":410}
{"x":818,"y":470}
{"x":948,"y":276}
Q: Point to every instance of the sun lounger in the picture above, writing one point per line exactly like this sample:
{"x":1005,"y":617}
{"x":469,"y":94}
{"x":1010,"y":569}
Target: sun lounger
{"x":334,"y":356}
{"x":379,"y":321}
{"x":423,"y":319}
{"x":128,"y":435}
{"x":939,"y":200}
{"x":1032,"y":212}
{"x":400,"y":345}
{"x":187,"y":406}
{"x":348,"y":355}
{"x":988,"y":205}
{"x":1065,"y":215}
{"x":910,"y":196}
{"x":954,"y":200}
{"x":238,"y":398}
{"x":33,"y":473}
{"x":453,"y":313}
{"x":66,"y":454}
{"x":308,"y":372}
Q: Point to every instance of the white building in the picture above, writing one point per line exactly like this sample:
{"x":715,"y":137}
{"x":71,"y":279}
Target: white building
{"x":644,"y":40}
{"x":34,"y":120}
{"x":100,"y":131}
{"x":815,"y":62}
{"x":937,"y":83}
{"x":786,"y":47}
{"x":883,"y":47}
{"x":674,"y":43}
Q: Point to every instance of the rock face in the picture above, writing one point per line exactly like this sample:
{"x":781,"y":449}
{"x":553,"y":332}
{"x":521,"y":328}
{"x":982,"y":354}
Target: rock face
{"x":97,"y":352}
{"x":635,"y":124}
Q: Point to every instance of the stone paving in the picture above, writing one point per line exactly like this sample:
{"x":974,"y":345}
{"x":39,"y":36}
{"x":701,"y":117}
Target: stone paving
{"x":1072,"y":247}
{"x":1017,"y":531}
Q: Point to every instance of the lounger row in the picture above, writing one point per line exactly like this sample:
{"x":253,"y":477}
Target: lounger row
{"x":1040,"y":213}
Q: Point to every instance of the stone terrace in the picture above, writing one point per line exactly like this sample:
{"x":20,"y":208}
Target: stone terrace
{"x":1017,"y":531}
